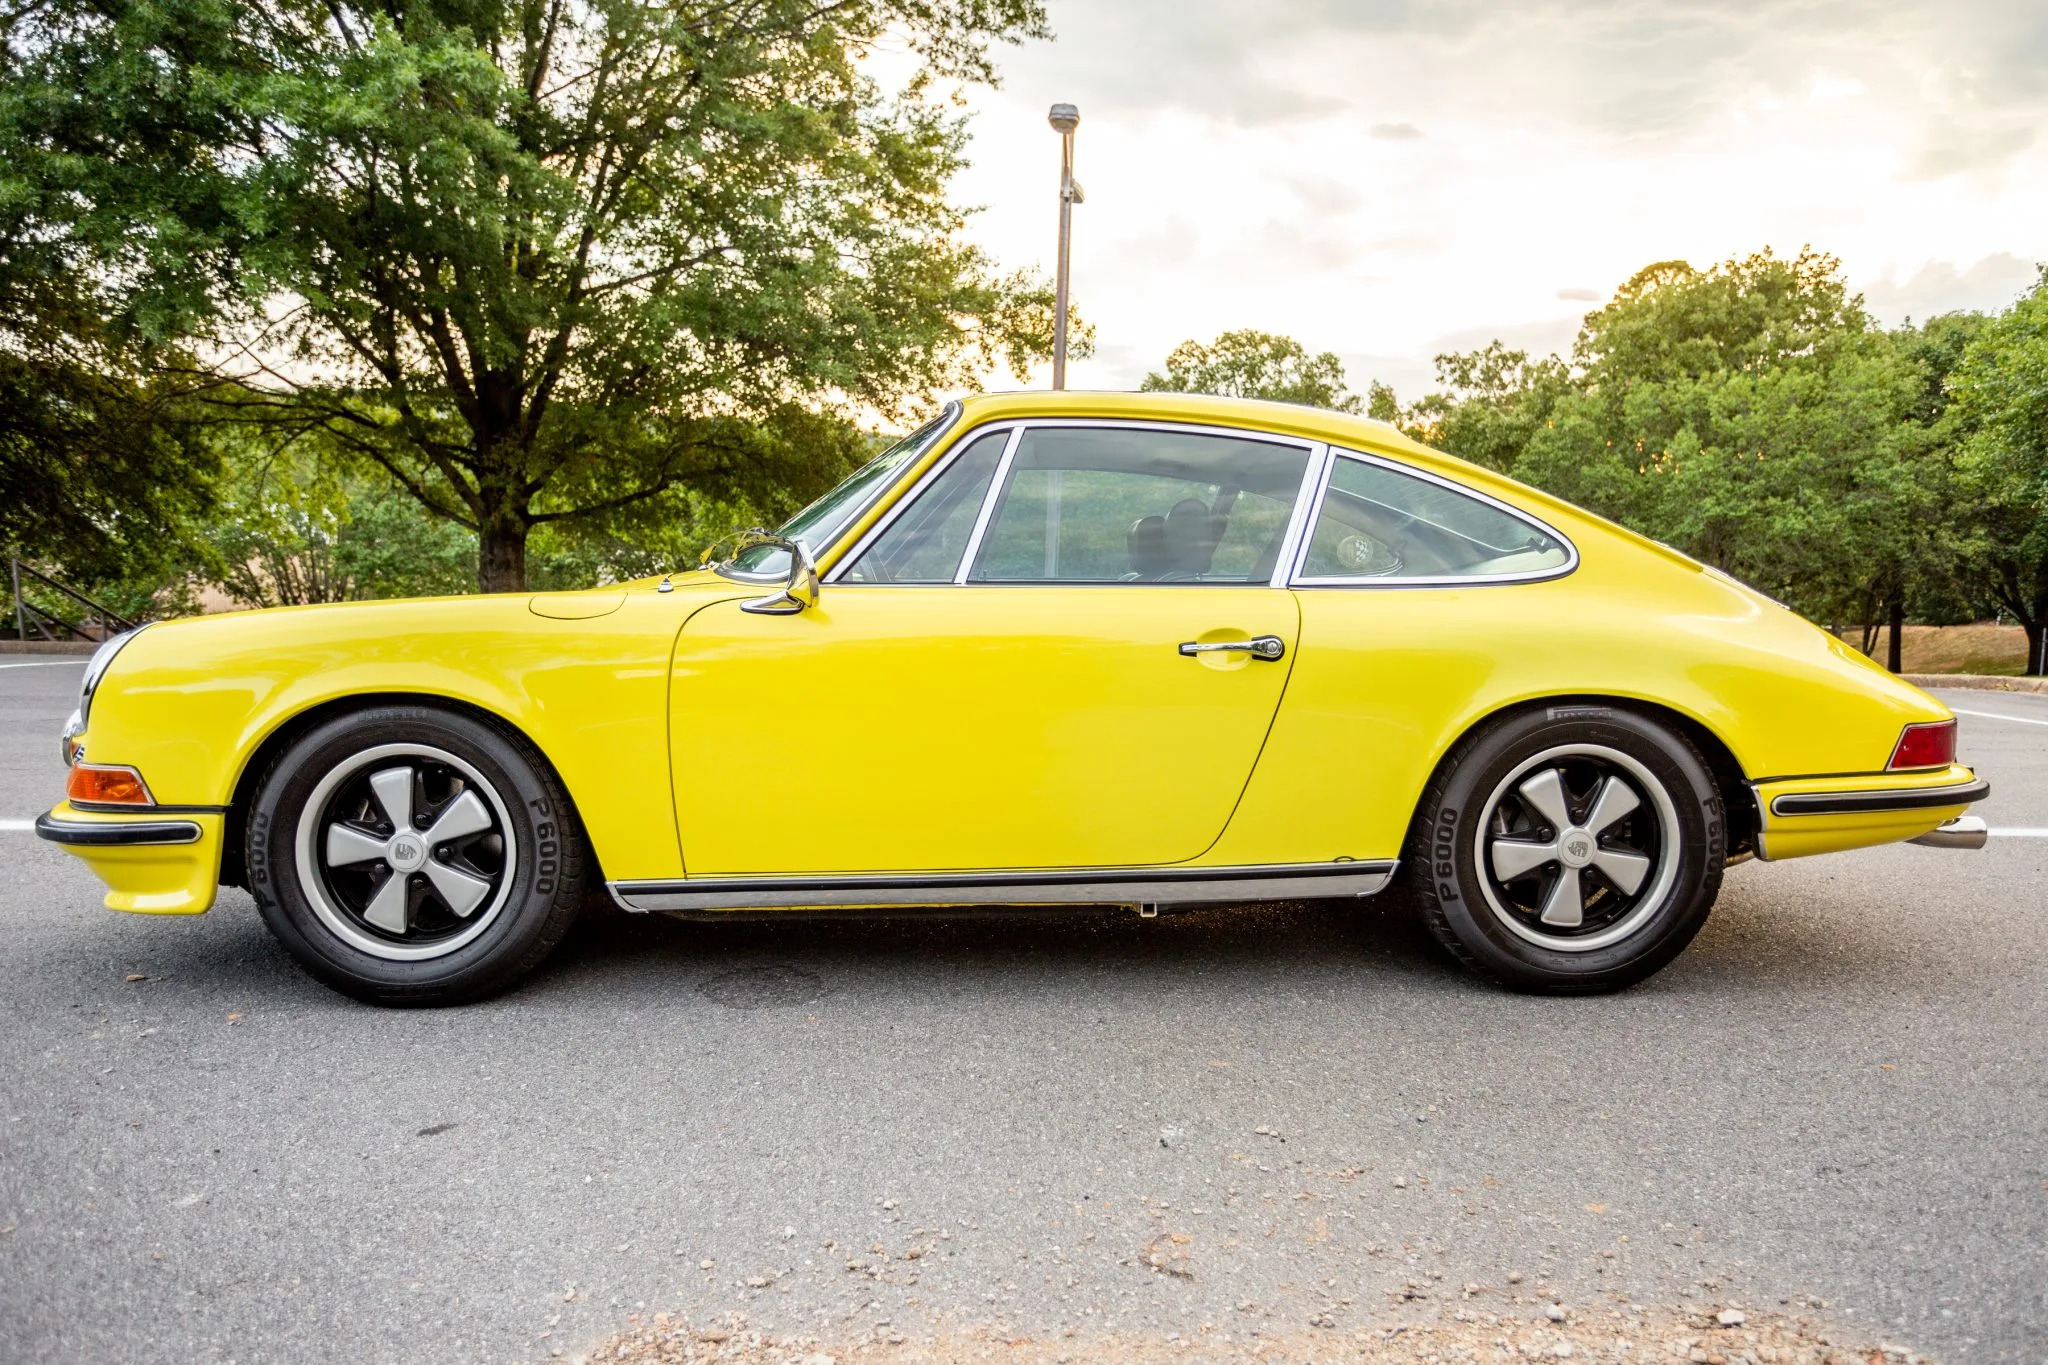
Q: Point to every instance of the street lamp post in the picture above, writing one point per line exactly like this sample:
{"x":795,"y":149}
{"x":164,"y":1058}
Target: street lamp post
{"x":1064,"y":118}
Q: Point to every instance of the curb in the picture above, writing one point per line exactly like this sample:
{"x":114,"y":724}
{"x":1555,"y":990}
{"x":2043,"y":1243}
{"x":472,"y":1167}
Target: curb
{"x":1978,"y":682}
{"x":47,"y":646}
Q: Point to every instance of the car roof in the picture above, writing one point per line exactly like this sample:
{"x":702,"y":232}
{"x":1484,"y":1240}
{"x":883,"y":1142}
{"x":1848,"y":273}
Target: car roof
{"x":1287,"y":419}
{"x":1298,"y":419}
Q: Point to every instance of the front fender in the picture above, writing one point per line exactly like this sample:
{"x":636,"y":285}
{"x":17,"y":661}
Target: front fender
{"x":192,"y":703}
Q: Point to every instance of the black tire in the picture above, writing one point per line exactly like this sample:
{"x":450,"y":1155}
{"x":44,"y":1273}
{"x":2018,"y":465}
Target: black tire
{"x":532,"y":859}
{"x":1498,"y":929}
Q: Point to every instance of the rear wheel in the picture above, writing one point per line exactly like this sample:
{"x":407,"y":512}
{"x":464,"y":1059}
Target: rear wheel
{"x":1571,"y":849}
{"x":409,"y":855}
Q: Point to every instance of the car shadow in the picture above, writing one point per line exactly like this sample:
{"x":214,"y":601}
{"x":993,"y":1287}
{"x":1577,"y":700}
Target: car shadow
{"x":1379,"y":945}
{"x":1750,"y":947}
{"x":1383,"y":934}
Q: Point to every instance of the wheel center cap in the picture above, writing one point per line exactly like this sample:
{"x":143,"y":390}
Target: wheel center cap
{"x":407,"y":853}
{"x":1576,"y":848}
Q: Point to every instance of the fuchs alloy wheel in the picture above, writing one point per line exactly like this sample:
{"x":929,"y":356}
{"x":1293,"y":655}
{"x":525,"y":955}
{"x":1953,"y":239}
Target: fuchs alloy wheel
{"x":408,"y":855}
{"x":403,"y":851}
{"x":1570,"y":849}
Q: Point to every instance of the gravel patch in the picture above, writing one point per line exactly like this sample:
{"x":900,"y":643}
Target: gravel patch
{"x":1612,"y":1333}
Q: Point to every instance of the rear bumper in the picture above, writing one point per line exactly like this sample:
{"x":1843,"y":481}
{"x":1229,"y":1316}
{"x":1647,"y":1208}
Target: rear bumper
{"x":152,"y":864}
{"x":1880,"y":799}
{"x":1801,"y":816}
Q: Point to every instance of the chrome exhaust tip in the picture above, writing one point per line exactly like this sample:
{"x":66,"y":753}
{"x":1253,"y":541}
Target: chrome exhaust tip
{"x":1965,"y":831}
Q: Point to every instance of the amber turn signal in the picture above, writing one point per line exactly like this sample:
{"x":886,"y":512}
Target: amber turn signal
{"x":108,"y":785}
{"x":1926,"y":746}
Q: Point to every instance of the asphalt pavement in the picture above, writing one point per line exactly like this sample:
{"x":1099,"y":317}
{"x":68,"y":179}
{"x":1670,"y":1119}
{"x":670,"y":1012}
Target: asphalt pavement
{"x":1836,"y":1103}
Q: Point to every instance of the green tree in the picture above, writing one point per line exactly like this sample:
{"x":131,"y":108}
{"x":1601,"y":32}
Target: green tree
{"x":1497,"y":399}
{"x":294,"y":528}
{"x":100,"y":464}
{"x":1749,"y":414}
{"x":2000,"y":390}
{"x":1753,"y":416}
{"x":542,"y":262}
{"x":1249,"y":364}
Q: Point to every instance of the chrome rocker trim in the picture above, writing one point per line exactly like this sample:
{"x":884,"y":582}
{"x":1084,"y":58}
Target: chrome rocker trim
{"x":1094,"y":886}
{"x":1864,"y":802}
{"x":102,"y":833}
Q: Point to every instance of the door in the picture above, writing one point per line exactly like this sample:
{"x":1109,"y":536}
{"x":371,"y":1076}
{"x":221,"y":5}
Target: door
{"x":1009,"y":674}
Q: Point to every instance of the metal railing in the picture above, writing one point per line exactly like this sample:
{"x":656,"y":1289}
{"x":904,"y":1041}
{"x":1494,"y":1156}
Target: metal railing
{"x":99,"y":622}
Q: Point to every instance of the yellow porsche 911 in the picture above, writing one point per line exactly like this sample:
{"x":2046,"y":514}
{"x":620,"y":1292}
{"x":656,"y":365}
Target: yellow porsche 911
{"x":1052,"y":649}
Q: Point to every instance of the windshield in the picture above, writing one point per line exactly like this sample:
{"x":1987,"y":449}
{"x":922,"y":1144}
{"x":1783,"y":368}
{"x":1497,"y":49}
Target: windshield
{"x":818,"y":525}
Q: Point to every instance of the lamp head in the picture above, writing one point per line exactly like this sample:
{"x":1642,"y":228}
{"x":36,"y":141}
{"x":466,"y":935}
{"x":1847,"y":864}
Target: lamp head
{"x":1064,"y":118}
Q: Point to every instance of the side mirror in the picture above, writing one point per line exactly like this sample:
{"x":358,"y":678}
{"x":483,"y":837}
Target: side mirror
{"x":799,"y":592}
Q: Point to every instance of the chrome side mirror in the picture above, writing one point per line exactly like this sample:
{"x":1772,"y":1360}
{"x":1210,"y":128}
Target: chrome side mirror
{"x":799,"y":592}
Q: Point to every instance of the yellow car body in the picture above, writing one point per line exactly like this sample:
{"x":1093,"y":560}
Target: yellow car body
{"x":961,"y":740}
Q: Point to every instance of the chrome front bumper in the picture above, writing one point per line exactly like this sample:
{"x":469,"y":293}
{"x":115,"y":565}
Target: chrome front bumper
{"x":115,"y":833}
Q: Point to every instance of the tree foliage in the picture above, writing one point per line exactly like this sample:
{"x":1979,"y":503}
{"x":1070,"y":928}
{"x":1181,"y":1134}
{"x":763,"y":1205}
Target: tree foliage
{"x":541,"y":261}
{"x":297,"y":526}
{"x":100,"y":462}
{"x":1497,"y":400}
{"x":2000,"y":384}
{"x":1753,"y":416}
{"x":1250,"y":364}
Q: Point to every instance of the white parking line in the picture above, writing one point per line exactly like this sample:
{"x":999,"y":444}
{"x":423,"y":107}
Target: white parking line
{"x":46,"y":663}
{"x":17,"y":826}
{"x":1999,"y":715}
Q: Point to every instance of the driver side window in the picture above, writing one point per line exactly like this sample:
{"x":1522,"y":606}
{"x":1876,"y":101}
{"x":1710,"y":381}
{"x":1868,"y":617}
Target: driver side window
{"x":924,"y":544}
{"x":1140,"y":505}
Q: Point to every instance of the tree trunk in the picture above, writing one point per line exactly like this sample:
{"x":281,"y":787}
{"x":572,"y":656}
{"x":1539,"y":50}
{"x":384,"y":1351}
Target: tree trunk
{"x":501,"y":554}
{"x":1895,"y":651}
{"x":2036,"y":623}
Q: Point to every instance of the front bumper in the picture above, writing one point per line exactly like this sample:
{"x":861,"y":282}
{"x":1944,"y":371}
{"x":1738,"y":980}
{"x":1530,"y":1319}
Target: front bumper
{"x":115,"y":833}
{"x":1800,"y":816}
{"x":152,"y":863}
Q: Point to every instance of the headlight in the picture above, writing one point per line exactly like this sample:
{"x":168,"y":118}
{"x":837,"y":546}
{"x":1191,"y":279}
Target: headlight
{"x":95,"y":669}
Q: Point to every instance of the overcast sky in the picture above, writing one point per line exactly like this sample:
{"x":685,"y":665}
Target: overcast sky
{"x":1387,"y":180}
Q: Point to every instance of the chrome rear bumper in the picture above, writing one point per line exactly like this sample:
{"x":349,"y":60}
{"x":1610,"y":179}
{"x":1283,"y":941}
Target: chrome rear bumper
{"x":1965,"y":831}
{"x":1885,"y":799}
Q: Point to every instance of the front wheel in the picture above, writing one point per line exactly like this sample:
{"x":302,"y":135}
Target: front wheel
{"x":414,"y":856}
{"x":1570,"y":849}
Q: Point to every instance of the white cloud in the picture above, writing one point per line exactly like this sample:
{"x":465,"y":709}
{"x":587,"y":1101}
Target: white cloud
{"x":1243,"y":167}
{"x":1939,"y":287}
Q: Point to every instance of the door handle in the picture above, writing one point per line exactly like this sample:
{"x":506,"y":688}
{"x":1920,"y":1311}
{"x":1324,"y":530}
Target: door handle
{"x":1267,"y":647}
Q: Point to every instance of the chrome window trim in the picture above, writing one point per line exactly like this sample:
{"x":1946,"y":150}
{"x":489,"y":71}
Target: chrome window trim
{"x":845,"y":562}
{"x":1297,"y":578}
{"x":989,"y":499}
{"x":949,"y":416}
{"x":1300,"y":523}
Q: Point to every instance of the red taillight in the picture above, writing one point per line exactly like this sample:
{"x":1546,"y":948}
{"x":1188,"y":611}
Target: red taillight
{"x":1926,"y":746}
{"x":107,"y":785}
